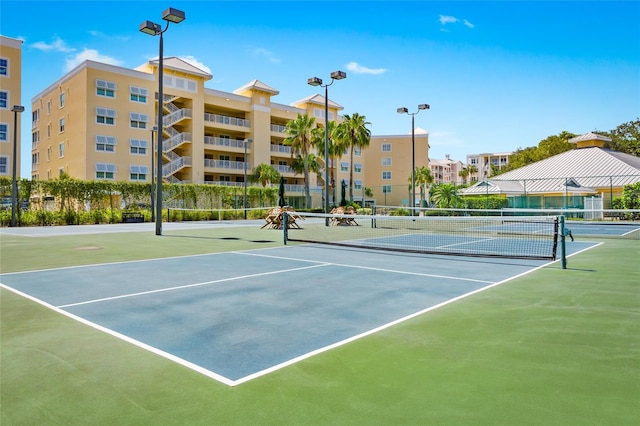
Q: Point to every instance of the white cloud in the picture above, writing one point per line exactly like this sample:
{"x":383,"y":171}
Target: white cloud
{"x":92,"y":55}
{"x":444,"y":19}
{"x":265,"y":53}
{"x":356,"y":68}
{"x":57,"y":45}
{"x":196,"y":63}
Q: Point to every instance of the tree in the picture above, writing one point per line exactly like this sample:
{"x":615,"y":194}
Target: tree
{"x":464,"y":174}
{"x":264,"y":174}
{"x":336,"y":147}
{"x":300,"y":140}
{"x":626,"y":138}
{"x":552,"y":145}
{"x":424,"y":179}
{"x":353,"y":132}
{"x":444,"y":195}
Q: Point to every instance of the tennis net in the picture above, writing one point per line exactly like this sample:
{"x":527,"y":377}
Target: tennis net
{"x":508,"y":237}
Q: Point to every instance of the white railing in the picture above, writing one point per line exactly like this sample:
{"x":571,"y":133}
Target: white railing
{"x":225,"y":164}
{"x":283,"y":168}
{"x":227,"y":142}
{"x":283,"y":149}
{"x":174,"y":117}
{"x":173,"y":141}
{"x":278,"y":128}
{"x":174,"y":166}
{"x":225,"y":119}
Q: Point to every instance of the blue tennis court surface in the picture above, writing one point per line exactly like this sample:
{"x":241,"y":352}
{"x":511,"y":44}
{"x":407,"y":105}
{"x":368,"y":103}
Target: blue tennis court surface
{"x":238,"y":315}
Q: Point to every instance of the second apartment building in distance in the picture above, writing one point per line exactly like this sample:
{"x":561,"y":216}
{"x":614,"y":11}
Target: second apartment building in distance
{"x":97,"y":121}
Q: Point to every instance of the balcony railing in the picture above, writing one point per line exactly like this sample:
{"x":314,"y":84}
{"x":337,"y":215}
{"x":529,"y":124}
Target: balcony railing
{"x":282,"y":149}
{"x":174,"y":166}
{"x":226,"y":142}
{"x":174,"y":117}
{"x":283,"y":169}
{"x":278,"y":128}
{"x":225,"y":164}
{"x":225,"y":119}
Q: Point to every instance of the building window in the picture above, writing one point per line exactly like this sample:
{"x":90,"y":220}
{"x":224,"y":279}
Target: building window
{"x":4,"y":67}
{"x":138,"y":94}
{"x":344,"y":166}
{"x":138,"y":146}
{"x":61,"y":99}
{"x":4,"y":132}
{"x":4,"y":98}
{"x":357,"y":184}
{"x":48,"y":130}
{"x":138,"y":121}
{"x":386,"y":189}
{"x":106,"y":116}
{"x":35,"y":116}
{"x":61,"y":150}
{"x":48,"y":108}
{"x":386,"y":147}
{"x":4,"y":165}
{"x":105,"y":171}
{"x":106,"y":143}
{"x":105,"y":88}
{"x":48,"y":154}
{"x":319,"y":113}
{"x":357,"y":151}
{"x":61,"y":125}
{"x":35,"y":138}
{"x":35,"y":159}
{"x":138,"y":172}
{"x":386,"y":175}
{"x":386,"y":161}
{"x":357,"y":167}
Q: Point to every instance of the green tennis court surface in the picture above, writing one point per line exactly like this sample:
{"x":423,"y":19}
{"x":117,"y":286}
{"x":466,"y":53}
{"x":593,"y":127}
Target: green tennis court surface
{"x":567,"y":340}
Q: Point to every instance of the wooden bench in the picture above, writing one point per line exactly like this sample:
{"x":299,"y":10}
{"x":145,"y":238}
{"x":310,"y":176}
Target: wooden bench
{"x":132,"y":217}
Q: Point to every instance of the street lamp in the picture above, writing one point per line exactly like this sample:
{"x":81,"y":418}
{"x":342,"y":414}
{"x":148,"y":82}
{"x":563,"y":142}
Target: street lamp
{"x":176,"y":16}
{"x":14,"y":182}
{"x":153,"y":211}
{"x":244,"y":201}
{"x":404,"y":110}
{"x":315,"y":81}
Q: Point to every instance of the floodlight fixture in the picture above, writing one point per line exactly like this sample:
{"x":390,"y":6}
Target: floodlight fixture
{"x":173,"y":15}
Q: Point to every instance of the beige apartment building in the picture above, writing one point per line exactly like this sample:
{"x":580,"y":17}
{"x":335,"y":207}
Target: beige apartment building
{"x":10,"y":95}
{"x":97,"y":121}
{"x":388,"y":162}
{"x":485,"y":162}
{"x":446,"y":171}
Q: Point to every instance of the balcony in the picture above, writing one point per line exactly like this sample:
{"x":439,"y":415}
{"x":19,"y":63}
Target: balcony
{"x":225,"y":142}
{"x":278,"y":128}
{"x":225,"y":119}
{"x":226,"y":164}
{"x":281,"y":149}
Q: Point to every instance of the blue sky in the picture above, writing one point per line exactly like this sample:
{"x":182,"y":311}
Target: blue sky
{"x":498,"y":75}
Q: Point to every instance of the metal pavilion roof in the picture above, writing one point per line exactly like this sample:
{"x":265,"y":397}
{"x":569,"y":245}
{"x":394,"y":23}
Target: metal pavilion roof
{"x":580,"y":170}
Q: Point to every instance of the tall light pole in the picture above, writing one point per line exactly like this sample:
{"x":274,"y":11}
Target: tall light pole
{"x":153,"y":211}
{"x":244,"y":201}
{"x":170,"y":15}
{"x":315,"y":81}
{"x":404,"y":110}
{"x":14,"y":180}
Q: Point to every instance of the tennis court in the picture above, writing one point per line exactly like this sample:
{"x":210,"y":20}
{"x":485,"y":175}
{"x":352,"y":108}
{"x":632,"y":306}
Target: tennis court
{"x":238,"y":315}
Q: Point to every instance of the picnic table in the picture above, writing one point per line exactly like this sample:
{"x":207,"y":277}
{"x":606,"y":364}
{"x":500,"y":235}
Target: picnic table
{"x":275,"y":218}
{"x":342,"y":216}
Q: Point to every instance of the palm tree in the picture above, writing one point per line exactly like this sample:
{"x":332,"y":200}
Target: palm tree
{"x":337,"y":148}
{"x":423,"y":179}
{"x":464,"y":174}
{"x":472,"y":170}
{"x":444,"y":195}
{"x":264,"y":174}
{"x":353,"y":132}
{"x":300,"y":141}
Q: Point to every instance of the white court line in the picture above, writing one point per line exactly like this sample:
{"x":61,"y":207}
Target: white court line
{"x":370,"y":268}
{"x":142,"y":293}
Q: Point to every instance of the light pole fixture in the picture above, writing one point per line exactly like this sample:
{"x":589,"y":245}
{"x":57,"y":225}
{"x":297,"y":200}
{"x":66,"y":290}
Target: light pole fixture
{"x":403,"y":110}
{"x":14,"y":179}
{"x":153,"y":211}
{"x":244,"y":201}
{"x":315,"y":81}
{"x":148,"y":27}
